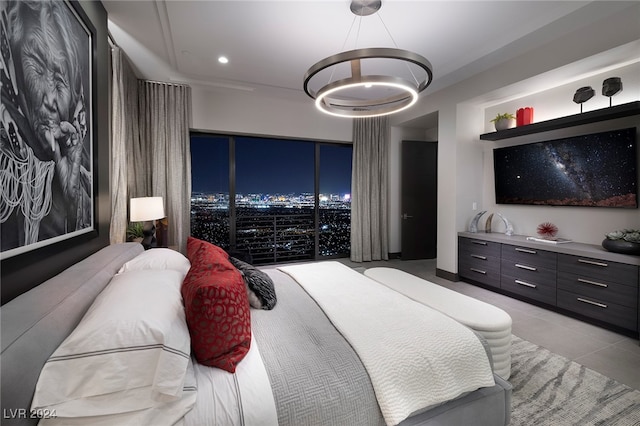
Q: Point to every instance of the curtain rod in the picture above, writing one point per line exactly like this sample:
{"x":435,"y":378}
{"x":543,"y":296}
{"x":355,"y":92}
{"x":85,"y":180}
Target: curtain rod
{"x":111,"y":40}
{"x":166,"y":83}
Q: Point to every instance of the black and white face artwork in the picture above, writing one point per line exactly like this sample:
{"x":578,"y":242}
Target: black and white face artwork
{"x":46,"y":148}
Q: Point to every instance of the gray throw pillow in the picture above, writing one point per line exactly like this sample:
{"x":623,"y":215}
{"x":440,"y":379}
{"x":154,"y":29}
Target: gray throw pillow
{"x":260,"y":288}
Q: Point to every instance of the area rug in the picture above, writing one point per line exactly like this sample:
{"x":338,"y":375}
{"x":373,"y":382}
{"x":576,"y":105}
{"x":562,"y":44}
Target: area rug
{"x":551,"y":390}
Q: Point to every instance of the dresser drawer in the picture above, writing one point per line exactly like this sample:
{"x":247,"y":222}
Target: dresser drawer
{"x":473,"y":246}
{"x":599,"y":269}
{"x":604,"y":290}
{"x":529,"y":256}
{"x":483,"y":271}
{"x":528,"y":272}
{"x":621,"y":316}
{"x":541,"y":292}
{"x":481,"y":260}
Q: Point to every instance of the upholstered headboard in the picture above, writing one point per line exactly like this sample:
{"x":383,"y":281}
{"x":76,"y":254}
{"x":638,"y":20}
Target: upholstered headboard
{"x":36,"y":322}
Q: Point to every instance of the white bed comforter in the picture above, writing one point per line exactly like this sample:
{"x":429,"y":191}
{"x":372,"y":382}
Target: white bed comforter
{"x":416,"y":357}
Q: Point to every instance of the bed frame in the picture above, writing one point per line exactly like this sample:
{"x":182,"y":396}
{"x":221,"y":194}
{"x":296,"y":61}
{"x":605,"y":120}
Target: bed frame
{"x":36,"y":322}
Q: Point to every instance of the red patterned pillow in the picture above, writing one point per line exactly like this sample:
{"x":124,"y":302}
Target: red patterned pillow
{"x":194,"y":244}
{"x":217,"y":307}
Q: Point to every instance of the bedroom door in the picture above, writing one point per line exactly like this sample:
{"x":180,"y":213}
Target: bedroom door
{"x":419,"y":180}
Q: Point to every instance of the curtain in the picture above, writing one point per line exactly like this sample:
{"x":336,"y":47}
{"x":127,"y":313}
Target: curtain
{"x":369,"y":186}
{"x":125,"y":136}
{"x":165,"y":114}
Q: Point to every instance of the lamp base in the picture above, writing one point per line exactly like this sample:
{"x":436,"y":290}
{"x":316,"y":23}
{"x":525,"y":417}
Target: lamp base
{"x":149,"y":232}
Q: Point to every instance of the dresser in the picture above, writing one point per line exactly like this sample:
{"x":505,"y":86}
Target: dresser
{"x":480,"y":260}
{"x":574,"y":278}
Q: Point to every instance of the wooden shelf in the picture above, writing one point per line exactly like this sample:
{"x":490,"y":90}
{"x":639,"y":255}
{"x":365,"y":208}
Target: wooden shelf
{"x":618,"y":111}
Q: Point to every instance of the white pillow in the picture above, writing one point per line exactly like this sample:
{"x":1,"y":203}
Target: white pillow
{"x":158,"y":258}
{"x":129,"y":352}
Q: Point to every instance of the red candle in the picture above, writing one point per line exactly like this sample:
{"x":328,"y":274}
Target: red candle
{"x":527,"y":116}
{"x":520,"y":117}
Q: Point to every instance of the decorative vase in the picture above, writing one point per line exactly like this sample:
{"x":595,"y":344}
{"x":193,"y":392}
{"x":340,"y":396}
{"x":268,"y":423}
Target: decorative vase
{"x":505,"y":123}
{"x":524,"y":116}
{"x":621,"y":246}
{"x":473,"y":227}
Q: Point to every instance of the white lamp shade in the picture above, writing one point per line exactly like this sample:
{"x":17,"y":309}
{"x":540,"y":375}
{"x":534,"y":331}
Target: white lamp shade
{"x":146,"y":208}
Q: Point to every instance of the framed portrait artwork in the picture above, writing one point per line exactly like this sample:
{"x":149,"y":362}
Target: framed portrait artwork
{"x":47,"y":116}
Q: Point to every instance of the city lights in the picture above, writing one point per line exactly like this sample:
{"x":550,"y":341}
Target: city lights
{"x":275,"y":227}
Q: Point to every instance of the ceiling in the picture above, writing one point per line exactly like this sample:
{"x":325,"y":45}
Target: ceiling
{"x":271,"y":44}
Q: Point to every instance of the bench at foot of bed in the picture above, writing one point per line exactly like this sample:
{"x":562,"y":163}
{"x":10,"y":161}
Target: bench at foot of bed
{"x":491,"y":322}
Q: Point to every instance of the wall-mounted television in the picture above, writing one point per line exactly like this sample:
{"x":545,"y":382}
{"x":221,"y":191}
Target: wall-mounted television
{"x":594,"y":170}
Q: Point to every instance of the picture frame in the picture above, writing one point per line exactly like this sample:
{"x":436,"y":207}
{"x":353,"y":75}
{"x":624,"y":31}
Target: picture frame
{"x":47,"y":146}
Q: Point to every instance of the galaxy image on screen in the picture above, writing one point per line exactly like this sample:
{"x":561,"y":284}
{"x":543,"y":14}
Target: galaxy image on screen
{"x":596,"y":170}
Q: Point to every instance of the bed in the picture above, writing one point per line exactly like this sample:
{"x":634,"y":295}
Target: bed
{"x":296,"y":369}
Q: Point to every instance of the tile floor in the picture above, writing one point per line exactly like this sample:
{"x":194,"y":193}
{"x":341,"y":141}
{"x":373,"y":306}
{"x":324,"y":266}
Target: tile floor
{"x":614,"y":355}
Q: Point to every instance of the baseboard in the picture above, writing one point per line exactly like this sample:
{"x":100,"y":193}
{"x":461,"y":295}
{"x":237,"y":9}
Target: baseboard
{"x":447,"y":275}
{"x":394,"y":255}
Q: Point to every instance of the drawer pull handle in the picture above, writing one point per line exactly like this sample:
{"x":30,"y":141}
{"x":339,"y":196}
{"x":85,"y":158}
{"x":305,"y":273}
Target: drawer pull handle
{"x":528,"y":268}
{"x":591,"y":302}
{"x":481,"y":243}
{"x":526,"y":284}
{"x":582,"y":280}
{"x":526,"y":251}
{"x":479,"y":271}
{"x":591,"y":262}
{"x":477,"y":256}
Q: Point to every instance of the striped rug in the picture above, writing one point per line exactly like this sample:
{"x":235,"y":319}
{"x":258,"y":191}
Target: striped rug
{"x":550,"y":390}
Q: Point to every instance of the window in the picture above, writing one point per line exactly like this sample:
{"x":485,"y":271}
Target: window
{"x":210,"y":214}
{"x":278,"y":200}
{"x":334,"y":231}
{"x":275,"y":199}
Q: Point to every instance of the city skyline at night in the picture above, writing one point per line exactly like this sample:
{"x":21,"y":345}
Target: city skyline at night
{"x":266,"y":165}
{"x":274,"y":216}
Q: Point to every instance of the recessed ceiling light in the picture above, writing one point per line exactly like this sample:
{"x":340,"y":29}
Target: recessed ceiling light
{"x":223,"y":60}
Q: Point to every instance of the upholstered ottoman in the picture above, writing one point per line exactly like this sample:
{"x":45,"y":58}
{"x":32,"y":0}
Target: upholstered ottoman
{"x":491,"y":322}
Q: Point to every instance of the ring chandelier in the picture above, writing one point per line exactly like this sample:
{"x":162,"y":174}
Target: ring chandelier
{"x":368,"y":94}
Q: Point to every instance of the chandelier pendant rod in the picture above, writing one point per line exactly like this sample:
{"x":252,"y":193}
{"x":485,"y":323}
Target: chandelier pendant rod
{"x":355,"y":68}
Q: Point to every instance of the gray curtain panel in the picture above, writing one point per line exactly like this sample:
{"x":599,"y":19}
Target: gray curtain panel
{"x":165,"y":114}
{"x":150,"y":150}
{"x":125,"y":136}
{"x":369,"y":187}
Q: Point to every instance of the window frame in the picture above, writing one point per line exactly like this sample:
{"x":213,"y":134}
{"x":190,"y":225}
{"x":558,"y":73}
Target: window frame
{"x":231,"y":140}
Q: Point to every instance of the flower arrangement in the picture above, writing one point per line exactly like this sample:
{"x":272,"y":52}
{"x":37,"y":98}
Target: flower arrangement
{"x":629,"y":235}
{"x":547,"y":230}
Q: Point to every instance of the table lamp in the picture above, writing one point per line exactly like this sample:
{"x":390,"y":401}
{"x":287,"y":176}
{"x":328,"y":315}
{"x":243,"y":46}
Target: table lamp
{"x":147,"y":210}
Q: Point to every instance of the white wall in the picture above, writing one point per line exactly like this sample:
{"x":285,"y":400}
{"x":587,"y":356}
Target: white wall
{"x":558,"y":101}
{"x":586,"y":225}
{"x":238,"y":112}
{"x":583,"y":54}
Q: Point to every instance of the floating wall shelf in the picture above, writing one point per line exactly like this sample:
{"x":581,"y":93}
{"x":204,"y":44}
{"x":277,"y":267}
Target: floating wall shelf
{"x":610,"y":113}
